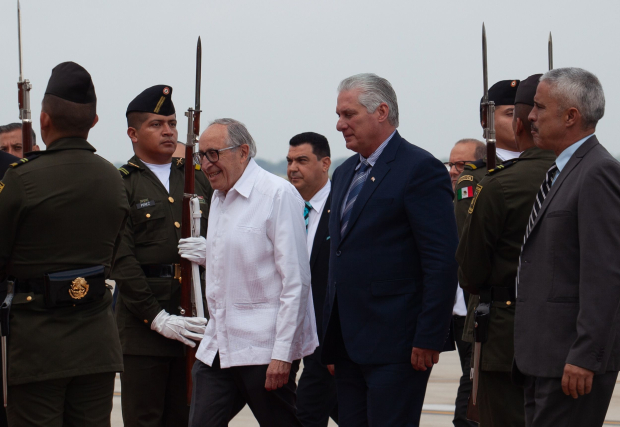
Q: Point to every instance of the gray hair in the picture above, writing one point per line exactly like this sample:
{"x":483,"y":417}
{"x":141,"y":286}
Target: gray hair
{"x":16,"y":126}
{"x":578,"y":88}
{"x":481,"y":148}
{"x":375,"y":90}
{"x":238,"y":134}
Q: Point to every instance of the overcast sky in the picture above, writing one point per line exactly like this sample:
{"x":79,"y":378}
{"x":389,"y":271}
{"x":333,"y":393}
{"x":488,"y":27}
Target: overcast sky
{"x":275,"y":64}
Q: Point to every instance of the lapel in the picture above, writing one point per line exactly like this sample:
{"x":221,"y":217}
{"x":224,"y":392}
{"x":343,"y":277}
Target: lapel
{"x":177,"y":176}
{"x":572,"y":164}
{"x":377,"y":173}
{"x":322,"y":231}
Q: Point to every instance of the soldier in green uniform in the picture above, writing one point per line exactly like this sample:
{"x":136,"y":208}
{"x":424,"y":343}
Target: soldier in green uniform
{"x":63,"y":212}
{"x":503,"y":94}
{"x":488,"y":256}
{"x":152,"y":332}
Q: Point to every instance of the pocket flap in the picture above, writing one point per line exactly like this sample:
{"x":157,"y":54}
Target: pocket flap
{"x":148,"y":213}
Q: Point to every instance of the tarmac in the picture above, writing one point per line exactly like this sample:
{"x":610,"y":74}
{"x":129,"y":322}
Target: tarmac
{"x":438,"y":407}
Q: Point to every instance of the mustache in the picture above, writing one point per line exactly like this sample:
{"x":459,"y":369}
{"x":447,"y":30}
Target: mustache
{"x":534,"y":127}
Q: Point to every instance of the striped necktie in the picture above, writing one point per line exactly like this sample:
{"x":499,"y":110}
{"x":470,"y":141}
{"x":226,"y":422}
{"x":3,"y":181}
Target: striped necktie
{"x":538,"y":202}
{"x":354,"y":190}
{"x":307,"y":209}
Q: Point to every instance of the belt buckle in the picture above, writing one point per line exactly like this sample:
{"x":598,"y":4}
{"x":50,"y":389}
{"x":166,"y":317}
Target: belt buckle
{"x":177,"y":271}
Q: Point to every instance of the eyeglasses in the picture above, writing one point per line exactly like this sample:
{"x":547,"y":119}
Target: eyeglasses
{"x":459,"y":166}
{"x":211,"y":155}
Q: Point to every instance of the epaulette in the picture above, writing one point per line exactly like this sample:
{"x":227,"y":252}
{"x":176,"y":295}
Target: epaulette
{"x":475,"y":165}
{"x":24,"y":160}
{"x":180,"y":161}
{"x":503,"y":166}
{"x":127,"y":169}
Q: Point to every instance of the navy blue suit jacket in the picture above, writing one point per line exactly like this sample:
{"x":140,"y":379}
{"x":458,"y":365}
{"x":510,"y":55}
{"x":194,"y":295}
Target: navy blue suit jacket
{"x":393,"y":274}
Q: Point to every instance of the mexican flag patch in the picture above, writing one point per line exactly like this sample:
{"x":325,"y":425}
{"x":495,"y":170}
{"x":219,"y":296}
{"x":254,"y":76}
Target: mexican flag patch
{"x":465,"y":193}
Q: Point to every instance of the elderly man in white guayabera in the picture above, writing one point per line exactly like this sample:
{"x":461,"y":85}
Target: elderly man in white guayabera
{"x":257,"y":285}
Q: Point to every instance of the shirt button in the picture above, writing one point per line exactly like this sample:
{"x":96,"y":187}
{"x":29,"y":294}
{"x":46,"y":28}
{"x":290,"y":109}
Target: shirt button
{"x":170,"y":199}
{"x":146,"y":321}
{"x":28,"y":298}
{"x":148,"y":215}
{"x":338,"y":253}
{"x":177,"y":225}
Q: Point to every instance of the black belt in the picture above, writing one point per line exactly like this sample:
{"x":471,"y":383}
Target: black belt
{"x":161,"y":270}
{"x":24,"y":286}
{"x":499,"y":294}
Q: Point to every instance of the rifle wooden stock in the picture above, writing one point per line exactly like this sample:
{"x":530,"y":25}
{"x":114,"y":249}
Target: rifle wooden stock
{"x":24,"y":109}
{"x":186,"y":266}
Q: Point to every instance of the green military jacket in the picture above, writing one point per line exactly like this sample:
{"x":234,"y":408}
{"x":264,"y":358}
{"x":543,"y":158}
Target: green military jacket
{"x":62,"y":210}
{"x":490,"y":245}
{"x":152,"y":237}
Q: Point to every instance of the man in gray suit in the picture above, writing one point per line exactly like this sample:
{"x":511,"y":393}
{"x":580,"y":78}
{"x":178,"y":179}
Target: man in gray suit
{"x":567,"y":324}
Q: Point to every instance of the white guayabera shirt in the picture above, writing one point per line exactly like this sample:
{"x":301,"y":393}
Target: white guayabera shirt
{"x":258,"y":274}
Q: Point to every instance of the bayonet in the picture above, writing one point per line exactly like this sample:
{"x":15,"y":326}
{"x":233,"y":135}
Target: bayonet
{"x":488,"y":107}
{"x":550,"y":49}
{"x":23,"y":87}
{"x":191,"y":296}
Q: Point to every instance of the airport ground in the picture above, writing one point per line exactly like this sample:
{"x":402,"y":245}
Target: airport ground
{"x":438,"y":405}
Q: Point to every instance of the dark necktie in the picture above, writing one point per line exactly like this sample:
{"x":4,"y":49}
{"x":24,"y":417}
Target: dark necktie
{"x":540,"y":198}
{"x":307,"y":209}
{"x":354,"y":190}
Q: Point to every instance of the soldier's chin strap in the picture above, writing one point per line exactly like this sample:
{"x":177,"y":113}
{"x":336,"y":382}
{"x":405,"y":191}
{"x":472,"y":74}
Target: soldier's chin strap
{"x":194,"y":206}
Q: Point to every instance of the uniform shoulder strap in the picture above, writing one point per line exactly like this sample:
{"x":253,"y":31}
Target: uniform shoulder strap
{"x":475,"y":165}
{"x":127,"y":169}
{"x":503,"y":166}
{"x":23,"y":161}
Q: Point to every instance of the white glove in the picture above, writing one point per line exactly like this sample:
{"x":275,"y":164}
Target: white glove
{"x":194,"y":249}
{"x":184,"y":329}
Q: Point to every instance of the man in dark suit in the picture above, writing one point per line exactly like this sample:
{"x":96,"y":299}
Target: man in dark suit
{"x":567,"y":324}
{"x":392,"y":273}
{"x":308,"y":170}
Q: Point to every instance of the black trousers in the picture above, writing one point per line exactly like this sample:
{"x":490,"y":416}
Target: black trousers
{"x":379,"y":395}
{"x":465,"y":384}
{"x":546,"y":405}
{"x":153,"y":392}
{"x":83,"y":401}
{"x":501,"y":402}
{"x":316,"y":393}
{"x":219,"y":394}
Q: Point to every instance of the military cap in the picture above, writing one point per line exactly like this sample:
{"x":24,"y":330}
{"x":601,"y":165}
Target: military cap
{"x":71,"y":82}
{"x":156,"y":99}
{"x":502,"y":93}
{"x":527,"y":90}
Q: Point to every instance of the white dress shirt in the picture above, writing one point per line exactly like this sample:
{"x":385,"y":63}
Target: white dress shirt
{"x":258,"y":274}
{"x":314,"y":216}
{"x":504,"y":154}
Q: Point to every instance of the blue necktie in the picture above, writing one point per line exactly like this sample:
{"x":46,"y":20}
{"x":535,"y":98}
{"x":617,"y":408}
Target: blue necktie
{"x":354,"y":190}
{"x":307,"y":209}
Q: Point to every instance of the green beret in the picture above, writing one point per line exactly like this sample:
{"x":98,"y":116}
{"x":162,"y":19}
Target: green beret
{"x":527,"y":90}
{"x":156,"y":99}
{"x":71,"y":82}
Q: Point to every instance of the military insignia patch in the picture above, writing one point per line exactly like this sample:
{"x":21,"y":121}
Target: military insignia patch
{"x":465,"y":178}
{"x":465,"y":193}
{"x":1,"y":186}
{"x":473,"y":202}
{"x":179,"y":161}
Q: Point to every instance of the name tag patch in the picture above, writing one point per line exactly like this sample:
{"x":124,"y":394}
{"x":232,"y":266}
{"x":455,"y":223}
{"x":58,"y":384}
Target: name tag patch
{"x":465,"y":178}
{"x":145,"y":203}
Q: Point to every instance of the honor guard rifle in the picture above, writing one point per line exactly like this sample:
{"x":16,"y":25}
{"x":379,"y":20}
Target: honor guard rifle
{"x":488,"y":107}
{"x":191,"y":295}
{"x":550,"y":50}
{"x":482,"y":312}
{"x":23,"y":87}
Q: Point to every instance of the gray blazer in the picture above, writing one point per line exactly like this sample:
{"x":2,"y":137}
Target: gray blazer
{"x":568,"y":298}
